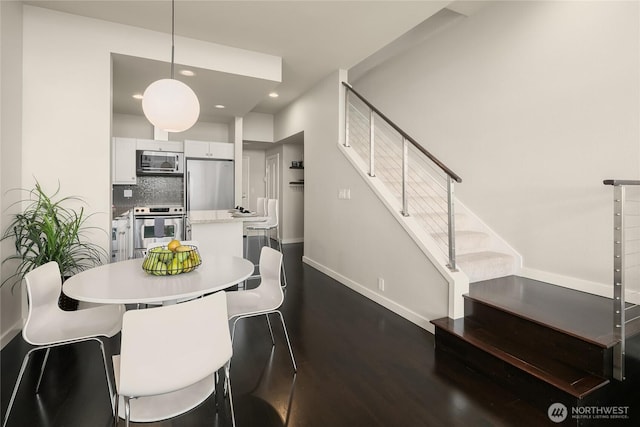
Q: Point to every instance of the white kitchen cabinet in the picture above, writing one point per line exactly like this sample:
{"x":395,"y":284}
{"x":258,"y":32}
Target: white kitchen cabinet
{"x":208,"y":150}
{"x":155,"y":145}
{"x":123,"y":161}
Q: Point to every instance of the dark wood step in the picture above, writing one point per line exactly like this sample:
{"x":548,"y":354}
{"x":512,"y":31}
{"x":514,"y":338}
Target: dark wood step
{"x":535,"y":338}
{"x":570,"y":380}
{"x":585,"y":316}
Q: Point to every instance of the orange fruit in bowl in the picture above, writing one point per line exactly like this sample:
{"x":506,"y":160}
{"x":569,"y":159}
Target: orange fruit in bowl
{"x":172,"y":245}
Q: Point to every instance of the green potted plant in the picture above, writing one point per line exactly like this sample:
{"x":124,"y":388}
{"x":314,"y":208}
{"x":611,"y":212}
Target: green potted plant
{"x":48,"y":231}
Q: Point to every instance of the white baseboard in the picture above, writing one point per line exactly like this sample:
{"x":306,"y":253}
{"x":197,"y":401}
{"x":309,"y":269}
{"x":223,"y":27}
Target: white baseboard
{"x":594,"y":288}
{"x":400,"y":310}
{"x":10,"y":333}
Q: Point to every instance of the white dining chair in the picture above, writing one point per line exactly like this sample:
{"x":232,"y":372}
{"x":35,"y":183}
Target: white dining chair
{"x":47,"y":326}
{"x":265,"y":227}
{"x":261,"y":211}
{"x":168,"y":352}
{"x":261,"y":206}
{"x":263,"y":300}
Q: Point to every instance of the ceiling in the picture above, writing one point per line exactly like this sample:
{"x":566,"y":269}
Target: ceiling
{"x":314,"y":38}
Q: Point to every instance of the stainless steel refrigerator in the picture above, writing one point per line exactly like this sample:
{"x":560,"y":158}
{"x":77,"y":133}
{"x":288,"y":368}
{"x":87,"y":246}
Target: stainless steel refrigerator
{"x":209,"y":184}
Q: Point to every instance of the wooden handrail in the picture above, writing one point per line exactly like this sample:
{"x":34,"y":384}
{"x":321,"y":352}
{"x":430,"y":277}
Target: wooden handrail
{"x":620,"y":182}
{"x":413,"y":142}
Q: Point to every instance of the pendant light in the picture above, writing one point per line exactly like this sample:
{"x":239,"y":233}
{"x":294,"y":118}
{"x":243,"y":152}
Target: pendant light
{"x":169,"y":104}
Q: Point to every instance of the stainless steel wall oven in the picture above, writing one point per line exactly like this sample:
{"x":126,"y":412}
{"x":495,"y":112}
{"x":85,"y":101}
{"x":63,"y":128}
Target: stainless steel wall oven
{"x":156,"y":224}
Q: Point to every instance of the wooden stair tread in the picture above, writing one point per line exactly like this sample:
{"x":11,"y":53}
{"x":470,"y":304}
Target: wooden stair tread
{"x":579,"y":314}
{"x":566,"y":378}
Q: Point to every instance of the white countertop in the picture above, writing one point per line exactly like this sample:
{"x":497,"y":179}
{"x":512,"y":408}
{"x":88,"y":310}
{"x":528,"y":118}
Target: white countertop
{"x":222,"y":216}
{"x":205,"y":217}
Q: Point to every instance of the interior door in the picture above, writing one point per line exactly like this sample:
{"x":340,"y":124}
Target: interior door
{"x":273,"y":180}
{"x":246,"y":184}
{"x":273,"y":174}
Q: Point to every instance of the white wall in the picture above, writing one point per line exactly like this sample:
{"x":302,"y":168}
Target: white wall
{"x":135,"y":126}
{"x":355,"y":241}
{"x":67,"y":96}
{"x":533,"y":104}
{"x":204,"y":131}
{"x":10,"y":157}
{"x":258,"y":127}
{"x":132,"y":126}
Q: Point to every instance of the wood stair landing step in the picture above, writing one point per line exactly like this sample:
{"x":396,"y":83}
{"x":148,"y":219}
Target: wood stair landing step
{"x":585,"y":316}
{"x":575,"y":382}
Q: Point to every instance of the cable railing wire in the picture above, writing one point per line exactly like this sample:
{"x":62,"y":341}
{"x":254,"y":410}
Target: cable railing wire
{"x":420,"y":183}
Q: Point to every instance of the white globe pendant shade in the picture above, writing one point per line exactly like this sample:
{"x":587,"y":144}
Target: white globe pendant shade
{"x":170,"y":105}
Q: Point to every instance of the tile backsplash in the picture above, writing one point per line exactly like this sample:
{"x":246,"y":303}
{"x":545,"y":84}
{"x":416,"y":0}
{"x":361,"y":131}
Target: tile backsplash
{"x":150,"y":190}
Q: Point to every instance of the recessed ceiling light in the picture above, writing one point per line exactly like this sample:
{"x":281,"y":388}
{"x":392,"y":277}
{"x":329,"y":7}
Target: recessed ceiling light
{"x":274,"y":94}
{"x":137,"y":96}
{"x":187,"y":73}
{"x":220,"y":106}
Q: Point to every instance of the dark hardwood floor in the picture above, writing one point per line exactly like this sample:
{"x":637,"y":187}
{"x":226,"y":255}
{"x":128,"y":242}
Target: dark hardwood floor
{"x":358,"y":365}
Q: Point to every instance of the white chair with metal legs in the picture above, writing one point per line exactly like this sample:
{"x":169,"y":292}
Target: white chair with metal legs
{"x":169,"y":353}
{"x":267,"y":226}
{"x":48,"y":326}
{"x":263,"y":300}
{"x":261,"y":211}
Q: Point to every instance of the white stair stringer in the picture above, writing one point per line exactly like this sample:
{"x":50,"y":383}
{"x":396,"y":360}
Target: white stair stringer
{"x":480,"y":253}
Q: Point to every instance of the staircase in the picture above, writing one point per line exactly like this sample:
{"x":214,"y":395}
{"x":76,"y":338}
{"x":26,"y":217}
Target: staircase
{"x":479,"y":252}
{"x":547,"y":343}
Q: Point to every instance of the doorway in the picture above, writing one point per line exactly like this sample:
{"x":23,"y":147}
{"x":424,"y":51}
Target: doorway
{"x":273,"y":176}
{"x":246,"y":187}
{"x":273,"y":184}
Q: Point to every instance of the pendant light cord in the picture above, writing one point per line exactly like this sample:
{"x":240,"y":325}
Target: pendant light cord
{"x":173,"y":23}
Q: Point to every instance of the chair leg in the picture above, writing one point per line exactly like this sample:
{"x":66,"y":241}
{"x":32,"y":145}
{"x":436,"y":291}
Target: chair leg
{"x":44,"y":364}
{"x":233,"y":329}
{"x":286,"y":335}
{"x":127,"y":410}
{"x":25,"y":361}
{"x":115,"y":411}
{"x":273,"y":341}
{"x":108,"y":375}
{"x":228,"y":382}
{"x":284,"y":274}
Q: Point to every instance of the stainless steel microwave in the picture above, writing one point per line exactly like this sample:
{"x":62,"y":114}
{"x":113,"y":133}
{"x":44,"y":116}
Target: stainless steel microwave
{"x":159,"y":163}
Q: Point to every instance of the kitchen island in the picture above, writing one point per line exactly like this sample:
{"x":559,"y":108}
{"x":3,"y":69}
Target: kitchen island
{"x":219,"y":232}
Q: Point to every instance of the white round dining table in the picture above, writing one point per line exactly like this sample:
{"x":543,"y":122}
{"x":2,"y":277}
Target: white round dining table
{"x":125,"y":282}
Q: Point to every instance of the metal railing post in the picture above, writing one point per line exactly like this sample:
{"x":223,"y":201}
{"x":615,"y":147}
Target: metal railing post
{"x":346,"y":117}
{"x":618,"y":282}
{"x":372,"y":143}
{"x":405,"y":176}
{"x":451,"y":224}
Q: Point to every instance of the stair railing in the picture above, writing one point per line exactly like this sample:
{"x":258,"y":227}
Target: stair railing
{"x":377,"y":139}
{"x":626,"y":268}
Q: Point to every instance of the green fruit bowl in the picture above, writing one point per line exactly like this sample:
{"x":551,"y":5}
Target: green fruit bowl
{"x":160,"y":261}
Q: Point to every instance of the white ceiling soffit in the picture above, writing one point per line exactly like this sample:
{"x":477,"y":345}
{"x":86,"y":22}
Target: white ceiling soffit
{"x":314,"y":38}
{"x":238,"y":94}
